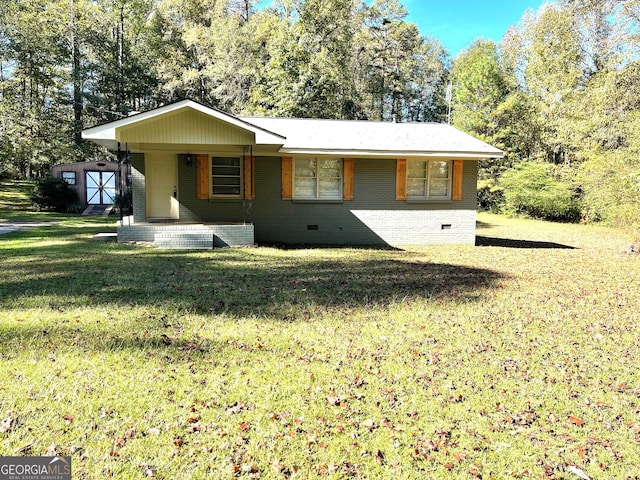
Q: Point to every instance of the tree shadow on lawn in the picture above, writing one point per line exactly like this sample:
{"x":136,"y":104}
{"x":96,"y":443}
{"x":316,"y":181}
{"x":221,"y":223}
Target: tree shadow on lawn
{"x":161,"y":286}
{"x":235,"y":282}
{"x":482,"y":241}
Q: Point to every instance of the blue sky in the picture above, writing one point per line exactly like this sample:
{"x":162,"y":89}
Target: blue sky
{"x":457,"y":23}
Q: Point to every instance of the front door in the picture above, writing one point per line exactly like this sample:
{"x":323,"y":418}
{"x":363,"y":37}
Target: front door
{"x":162,"y":185}
{"x":101,"y":188}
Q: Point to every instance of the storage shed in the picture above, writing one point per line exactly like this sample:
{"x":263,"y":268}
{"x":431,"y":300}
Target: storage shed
{"x":97,"y":182}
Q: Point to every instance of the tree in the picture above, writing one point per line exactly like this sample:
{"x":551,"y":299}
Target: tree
{"x":487,"y":103}
{"x":425,"y":93}
{"x":388,"y":55}
{"x":123,"y":73}
{"x":554,"y":76}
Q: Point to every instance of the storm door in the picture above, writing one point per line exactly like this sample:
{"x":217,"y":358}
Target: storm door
{"x":101,"y":188}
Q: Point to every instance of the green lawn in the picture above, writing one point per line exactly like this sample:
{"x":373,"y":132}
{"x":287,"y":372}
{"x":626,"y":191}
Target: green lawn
{"x":518,"y":359}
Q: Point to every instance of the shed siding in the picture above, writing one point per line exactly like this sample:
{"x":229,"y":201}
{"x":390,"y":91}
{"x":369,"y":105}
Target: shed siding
{"x":81,"y":168}
{"x":185,"y":127}
{"x":373,"y":217}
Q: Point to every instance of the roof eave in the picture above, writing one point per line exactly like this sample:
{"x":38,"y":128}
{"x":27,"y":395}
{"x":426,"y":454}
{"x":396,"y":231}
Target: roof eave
{"x":107,"y":131}
{"x":394,"y":154}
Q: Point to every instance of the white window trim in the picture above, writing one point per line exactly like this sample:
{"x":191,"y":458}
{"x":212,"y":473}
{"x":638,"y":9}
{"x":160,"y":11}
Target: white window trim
{"x":427,"y":195}
{"x":318,"y":197}
{"x":75,"y":177}
{"x":211,"y":176}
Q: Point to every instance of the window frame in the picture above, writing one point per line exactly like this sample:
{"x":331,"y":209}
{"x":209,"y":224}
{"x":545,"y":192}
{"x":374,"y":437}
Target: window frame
{"x":75,"y":179}
{"x":427,"y":181}
{"x":240,"y":177}
{"x":318,"y":197}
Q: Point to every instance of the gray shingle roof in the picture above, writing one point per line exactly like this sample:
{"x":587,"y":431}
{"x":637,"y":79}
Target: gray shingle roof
{"x":379,"y":138}
{"x":326,"y":137}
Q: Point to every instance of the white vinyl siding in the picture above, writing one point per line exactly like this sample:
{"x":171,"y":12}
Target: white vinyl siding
{"x":429,"y":180}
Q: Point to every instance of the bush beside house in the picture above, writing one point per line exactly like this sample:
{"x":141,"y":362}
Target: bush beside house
{"x":533,"y":190}
{"x":55,"y":194}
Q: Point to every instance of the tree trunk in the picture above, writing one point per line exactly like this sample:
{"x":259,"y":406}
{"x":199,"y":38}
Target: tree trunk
{"x":77,"y":80}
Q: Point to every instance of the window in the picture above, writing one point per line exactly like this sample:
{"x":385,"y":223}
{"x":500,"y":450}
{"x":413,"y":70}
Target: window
{"x":317,"y":178}
{"x":69,"y":177}
{"x":226,"y":176}
{"x":429,"y":180}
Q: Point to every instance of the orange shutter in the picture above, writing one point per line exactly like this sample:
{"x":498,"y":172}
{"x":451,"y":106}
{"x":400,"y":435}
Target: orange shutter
{"x":287,"y":178}
{"x":202,"y":176}
{"x":347,"y":172}
{"x":249,"y":177}
{"x":401,"y":179}
{"x":456,"y":193}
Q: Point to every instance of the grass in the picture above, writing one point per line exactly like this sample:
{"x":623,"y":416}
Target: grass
{"x":517,"y":359}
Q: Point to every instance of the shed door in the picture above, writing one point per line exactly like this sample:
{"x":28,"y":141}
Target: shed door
{"x":101,"y":188}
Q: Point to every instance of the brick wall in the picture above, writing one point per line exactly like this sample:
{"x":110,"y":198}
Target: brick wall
{"x":138,"y":184}
{"x":374,"y":217}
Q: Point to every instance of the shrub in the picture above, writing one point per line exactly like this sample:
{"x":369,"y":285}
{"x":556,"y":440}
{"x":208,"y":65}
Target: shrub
{"x":531,"y":189}
{"x":490,"y":196}
{"x":611,"y":183}
{"x":54,"y":194}
{"x":124,"y":202}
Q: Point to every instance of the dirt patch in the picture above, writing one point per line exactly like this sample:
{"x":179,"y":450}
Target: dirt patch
{"x":8,"y":227}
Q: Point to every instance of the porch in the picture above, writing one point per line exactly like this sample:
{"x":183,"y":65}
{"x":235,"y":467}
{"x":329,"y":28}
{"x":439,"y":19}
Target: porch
{"x":174,"y":235}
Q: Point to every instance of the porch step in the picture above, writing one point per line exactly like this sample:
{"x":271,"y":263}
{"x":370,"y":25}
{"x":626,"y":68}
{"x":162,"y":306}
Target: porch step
{"x":97,"y":210}
{"x":191,"y":240}
{"x":188,"y":235}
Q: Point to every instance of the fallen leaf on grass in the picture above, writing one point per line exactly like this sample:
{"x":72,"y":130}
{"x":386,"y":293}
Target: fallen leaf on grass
{"x":336,"y":400}
{"x":71,"y":449}
{"x":150,"y":472}
{"x":460,"y":457}
{"x":7,"y":424}
{"x":456,"y":398}
{"x":387,"y":423}
{"x":249,"y":468}
{"x":236,"y":408}
{"x":369,"y":424}
{"x":576,"y":471}
{"x":576,"y":421}
{"x":25,"y":448}
{"x":476,"y":470}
